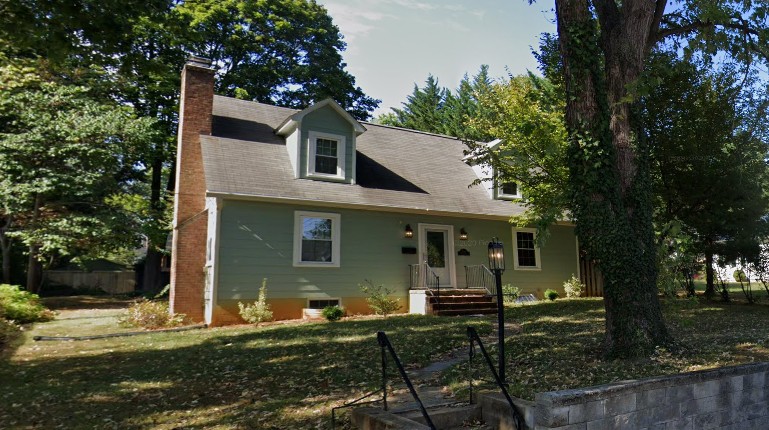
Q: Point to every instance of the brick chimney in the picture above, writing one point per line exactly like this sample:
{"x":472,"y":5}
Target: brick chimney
{"x":188,"y":252}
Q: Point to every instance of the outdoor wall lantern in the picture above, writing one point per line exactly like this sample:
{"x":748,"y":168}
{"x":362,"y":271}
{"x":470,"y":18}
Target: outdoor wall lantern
{"x":496,"y":255}
{"x":497,"y":266}
{"x":462,"y":234}
{"x":409,"y":232}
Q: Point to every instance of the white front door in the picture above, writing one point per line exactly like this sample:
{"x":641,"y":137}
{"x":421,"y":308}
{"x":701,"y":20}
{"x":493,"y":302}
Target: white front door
{"x":436,"y":248}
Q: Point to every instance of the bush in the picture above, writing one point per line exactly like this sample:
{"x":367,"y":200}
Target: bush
{"x":551,"y":294}
{"x":573,"y":287}
{"x":379,"y":299}
{"x":259,"y":311}
{"x":8,"y":331}
{"x":510,"y":293}
{"x":150,"y":315}
{"x":740,"y":276}
{"x":21,"y":306}
{"x":332,"y":313}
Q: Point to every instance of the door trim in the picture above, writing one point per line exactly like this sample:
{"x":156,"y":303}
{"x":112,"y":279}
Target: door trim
{"x":449,"y":229}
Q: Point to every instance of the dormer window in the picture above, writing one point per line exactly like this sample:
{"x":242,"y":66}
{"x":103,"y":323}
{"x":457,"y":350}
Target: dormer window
{"x":326,"y":155}
{"x":509,"y":191}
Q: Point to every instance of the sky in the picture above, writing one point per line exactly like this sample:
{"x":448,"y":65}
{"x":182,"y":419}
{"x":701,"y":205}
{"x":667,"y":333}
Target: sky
{"x":393,"y":44}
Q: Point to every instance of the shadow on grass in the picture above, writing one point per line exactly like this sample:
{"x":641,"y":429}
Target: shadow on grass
{"x":272,"y":377}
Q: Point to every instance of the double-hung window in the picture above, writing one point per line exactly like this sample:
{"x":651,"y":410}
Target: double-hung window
{"x":526,"y":250}
{"x":316,"y":239}
{"x":326,"y":157}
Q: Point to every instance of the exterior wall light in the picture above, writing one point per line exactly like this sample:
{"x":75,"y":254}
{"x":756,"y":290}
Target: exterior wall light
{"x":462,"y":234}
{"x":409,"y":233}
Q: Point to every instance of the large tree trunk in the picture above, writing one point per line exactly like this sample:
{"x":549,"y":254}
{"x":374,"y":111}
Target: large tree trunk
{"x":710,"y":289}
{"x":152,"y":271}
{"x":611,"y":192}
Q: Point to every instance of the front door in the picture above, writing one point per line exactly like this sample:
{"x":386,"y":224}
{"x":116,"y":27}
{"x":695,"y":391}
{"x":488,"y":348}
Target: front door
{"x":436,"y":248}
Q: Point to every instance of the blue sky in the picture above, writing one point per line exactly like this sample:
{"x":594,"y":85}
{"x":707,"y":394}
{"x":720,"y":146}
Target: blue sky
{"x":392,"y":44}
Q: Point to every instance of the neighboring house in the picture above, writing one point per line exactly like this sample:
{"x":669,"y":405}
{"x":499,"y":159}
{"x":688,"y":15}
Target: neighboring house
{"x":317,"y":202}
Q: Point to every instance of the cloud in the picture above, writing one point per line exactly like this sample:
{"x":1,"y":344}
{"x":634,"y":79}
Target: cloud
{"x":352,"y":21}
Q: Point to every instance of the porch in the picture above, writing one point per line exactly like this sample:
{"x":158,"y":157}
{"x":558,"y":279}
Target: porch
{"x":428,"y":297}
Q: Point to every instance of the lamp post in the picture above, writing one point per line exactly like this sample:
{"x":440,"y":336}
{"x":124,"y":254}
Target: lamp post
{"x":497,"y":266}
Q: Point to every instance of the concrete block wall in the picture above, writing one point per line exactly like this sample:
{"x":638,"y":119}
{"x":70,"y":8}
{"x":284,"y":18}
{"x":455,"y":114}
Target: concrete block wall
{"x":733,"y":398}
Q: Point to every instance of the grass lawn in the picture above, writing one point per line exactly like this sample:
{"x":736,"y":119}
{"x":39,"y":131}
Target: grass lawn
{"x":286,"y":376}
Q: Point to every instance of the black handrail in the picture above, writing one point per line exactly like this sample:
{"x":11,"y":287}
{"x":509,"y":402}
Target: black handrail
{"x":472,"y":335}
{"x":384,"y":342}
{"x":351,"y":404}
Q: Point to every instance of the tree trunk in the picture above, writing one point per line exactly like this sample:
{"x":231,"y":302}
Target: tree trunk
{"x":34,"y":268}
{"x":609,"y":174}
{"x":5,"y":249}
{"x":152,"y":271}
{"x":710,"y":289}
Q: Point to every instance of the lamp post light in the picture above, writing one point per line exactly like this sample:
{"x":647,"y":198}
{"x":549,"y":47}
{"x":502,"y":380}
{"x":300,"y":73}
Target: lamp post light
{"x":497,"y":266}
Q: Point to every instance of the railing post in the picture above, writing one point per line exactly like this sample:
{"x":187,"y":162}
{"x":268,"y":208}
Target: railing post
{"x":384,"y":371}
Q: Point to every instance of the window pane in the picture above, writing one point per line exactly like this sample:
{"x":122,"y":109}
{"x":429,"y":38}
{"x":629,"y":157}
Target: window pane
{"x":325,"y":147}
{"x":510,"y":188}
{"x":325,"y":164}
{"x":436,"y":249}
{"x":320,"y":304}
{"x":316,"y":250}
{"x":316,"y":228}
{"x":527,"y":256}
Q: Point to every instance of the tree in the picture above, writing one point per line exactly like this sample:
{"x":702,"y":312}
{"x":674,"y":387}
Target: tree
{"x":604,"y":46}
{"x":66,"y":156}
{"x":526,"y":113}
{"x":278,"y":52}
{"x":424,"y":109}
{"x":707,"y":160}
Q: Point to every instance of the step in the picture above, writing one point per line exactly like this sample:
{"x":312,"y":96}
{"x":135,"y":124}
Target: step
{"x":461,"y":291}
{"x":457,"y":312}
{"x":444,"y":417}
{"x":461,"y":299}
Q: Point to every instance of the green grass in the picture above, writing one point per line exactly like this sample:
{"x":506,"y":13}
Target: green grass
{"x":283,"y":376}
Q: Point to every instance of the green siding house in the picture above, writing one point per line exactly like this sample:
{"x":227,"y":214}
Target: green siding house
{"x":317,"y":203}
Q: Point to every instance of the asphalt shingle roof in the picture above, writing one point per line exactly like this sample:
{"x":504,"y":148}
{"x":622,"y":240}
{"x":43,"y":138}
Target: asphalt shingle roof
{"x":397,"y":168}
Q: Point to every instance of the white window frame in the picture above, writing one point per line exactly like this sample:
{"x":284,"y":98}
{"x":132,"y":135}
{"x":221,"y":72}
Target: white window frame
{"x":504,"y":196}
{"x":536,"y":249}
{"x":340,"y":155}
{"x":336,"y":223}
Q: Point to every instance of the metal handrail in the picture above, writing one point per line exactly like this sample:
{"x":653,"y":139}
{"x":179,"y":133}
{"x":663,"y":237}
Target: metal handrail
{"x":384,"y":343}
{"x":480,"y":277}
{"x":423,"y":277}
{"x":472,"y":335}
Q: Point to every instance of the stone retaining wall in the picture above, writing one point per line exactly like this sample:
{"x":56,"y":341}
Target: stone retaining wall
{"x":734,"y":398}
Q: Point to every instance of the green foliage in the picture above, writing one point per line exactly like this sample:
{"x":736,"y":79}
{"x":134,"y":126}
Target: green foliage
{"x":739,"y":275}
{"x":526,"y":112}
{"x":332,"y":313}
{"x":150,"y":315}
{"x":573,"y":287}
{"x":379,"y":299}
{"x":259,"y":311}
{"x":9,"y":330}
{"x":64,"y":153}
{"x":510,"y":293}
{"x":550,"y":294}
{"x":21,"y":306}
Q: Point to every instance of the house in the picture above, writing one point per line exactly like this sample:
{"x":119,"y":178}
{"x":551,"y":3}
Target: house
{"x":317,"y":202}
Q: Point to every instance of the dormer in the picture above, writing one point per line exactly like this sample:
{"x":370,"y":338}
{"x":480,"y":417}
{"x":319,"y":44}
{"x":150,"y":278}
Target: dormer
{"x":321,"y":142}
{"x":489,"y":176}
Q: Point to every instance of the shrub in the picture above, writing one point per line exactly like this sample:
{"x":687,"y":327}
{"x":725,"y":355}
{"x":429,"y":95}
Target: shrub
{"x":510,"y":293}
{"x":150,"y":315}
{"x":22,"y":306}
{"x":259,"y":311}
{"x":332,"y":313}
{"x":740,"y":276}
{"x":379,"y":298}
{"x":8,"y":331}
{"x":573,"y":287}
{"x":551,"y":294}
